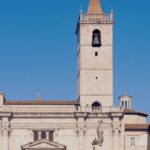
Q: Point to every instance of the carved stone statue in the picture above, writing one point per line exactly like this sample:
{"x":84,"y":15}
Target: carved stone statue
{"x":100,"y":134}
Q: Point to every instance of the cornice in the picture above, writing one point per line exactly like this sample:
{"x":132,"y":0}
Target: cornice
{"x":85,"y":115}
{"x":5,"y":114}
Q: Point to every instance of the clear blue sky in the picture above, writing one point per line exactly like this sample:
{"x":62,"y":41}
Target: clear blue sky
{"x":38,"y":49}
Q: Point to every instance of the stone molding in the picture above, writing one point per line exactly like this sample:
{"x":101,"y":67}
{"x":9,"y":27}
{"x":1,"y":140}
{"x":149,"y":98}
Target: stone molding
{"x":63,"y":115}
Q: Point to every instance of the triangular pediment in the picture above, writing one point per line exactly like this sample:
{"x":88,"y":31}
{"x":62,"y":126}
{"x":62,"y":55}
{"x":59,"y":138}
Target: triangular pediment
{"x":43,"y":145}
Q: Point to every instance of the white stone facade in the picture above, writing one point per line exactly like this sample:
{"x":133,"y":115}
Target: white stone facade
{"x":78,"y":125}
{"x":74,"y":128}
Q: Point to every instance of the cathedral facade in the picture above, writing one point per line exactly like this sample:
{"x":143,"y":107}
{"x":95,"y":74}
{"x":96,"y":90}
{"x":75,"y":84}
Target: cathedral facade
{"x":91,"y":122}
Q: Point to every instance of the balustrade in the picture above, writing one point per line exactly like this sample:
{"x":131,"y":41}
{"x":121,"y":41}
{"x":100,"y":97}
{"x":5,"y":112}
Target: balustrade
{"x":104,"y":18}
{"x":55,"y":109}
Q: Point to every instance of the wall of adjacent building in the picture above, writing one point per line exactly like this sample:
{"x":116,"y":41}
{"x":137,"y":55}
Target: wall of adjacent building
{"x":141,"y":140}
{"x":134,"y":119}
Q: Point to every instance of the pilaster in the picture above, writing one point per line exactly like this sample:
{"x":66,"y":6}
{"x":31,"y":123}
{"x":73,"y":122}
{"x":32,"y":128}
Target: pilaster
{"x":81,"y":132}
{"x":5,"y":133}
{"x":1,"y":135}
{"x":116,"y":132}
{"x":39,"y":135}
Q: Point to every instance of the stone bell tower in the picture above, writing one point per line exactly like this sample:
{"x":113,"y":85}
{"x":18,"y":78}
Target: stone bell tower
{"x":95,"y":71}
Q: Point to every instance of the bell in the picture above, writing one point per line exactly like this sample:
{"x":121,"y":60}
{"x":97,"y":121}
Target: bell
{"x":96,"y":41}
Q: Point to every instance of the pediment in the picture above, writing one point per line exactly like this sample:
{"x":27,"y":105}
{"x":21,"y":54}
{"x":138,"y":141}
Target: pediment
{"x":43,"y":145}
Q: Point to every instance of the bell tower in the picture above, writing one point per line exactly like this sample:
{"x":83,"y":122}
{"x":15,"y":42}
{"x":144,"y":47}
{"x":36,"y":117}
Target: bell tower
{"x":95,"y":70}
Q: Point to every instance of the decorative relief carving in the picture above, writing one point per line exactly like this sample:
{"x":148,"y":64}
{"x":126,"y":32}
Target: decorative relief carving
{"x":5,"y":128}
{"x":100,"y":134}
{"x":116,"y":129}
{"x":80,"y":129}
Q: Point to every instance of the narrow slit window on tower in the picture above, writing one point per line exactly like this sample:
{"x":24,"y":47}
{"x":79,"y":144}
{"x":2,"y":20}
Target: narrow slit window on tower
{"x":96,"y":39}
{"x":96,"y":53}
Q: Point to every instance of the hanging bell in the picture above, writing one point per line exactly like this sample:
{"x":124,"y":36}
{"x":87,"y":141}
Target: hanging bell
{"x":96,"y":41}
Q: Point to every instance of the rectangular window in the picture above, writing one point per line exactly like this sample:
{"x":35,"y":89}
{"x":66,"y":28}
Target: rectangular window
{"x":132,"y":141}
{"x":35,"y":136}
{"x":43,"y":135}
{"x":47,"y":135}
{"x":51,"y":136}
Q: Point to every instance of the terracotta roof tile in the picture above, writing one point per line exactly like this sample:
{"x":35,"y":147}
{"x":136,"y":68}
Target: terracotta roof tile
{"x":137,"y":127}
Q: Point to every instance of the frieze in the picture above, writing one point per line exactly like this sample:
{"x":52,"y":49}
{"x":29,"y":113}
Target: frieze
{"x":43,"y":115}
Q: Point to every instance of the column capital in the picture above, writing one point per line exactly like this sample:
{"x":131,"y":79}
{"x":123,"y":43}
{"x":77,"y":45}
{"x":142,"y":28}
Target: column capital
{"x":5,"y":128}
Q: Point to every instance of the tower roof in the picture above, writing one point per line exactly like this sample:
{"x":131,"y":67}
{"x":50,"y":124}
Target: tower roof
{"x":94,"y":7}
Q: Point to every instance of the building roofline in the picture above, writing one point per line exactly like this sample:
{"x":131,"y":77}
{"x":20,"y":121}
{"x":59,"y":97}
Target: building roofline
{"x":133,"y":112}
{"x":47,"y":102}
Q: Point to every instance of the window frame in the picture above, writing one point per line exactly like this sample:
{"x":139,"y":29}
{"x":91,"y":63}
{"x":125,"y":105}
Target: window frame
{"x":132,"y":141}
{"x":36,"y":136}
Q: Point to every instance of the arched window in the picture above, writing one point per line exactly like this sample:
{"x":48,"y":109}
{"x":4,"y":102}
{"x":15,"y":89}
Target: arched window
{"x":35,"y":136}
{"x":96,"y":39}
{"x":96,"y":106}
{"x":43,"y":135}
